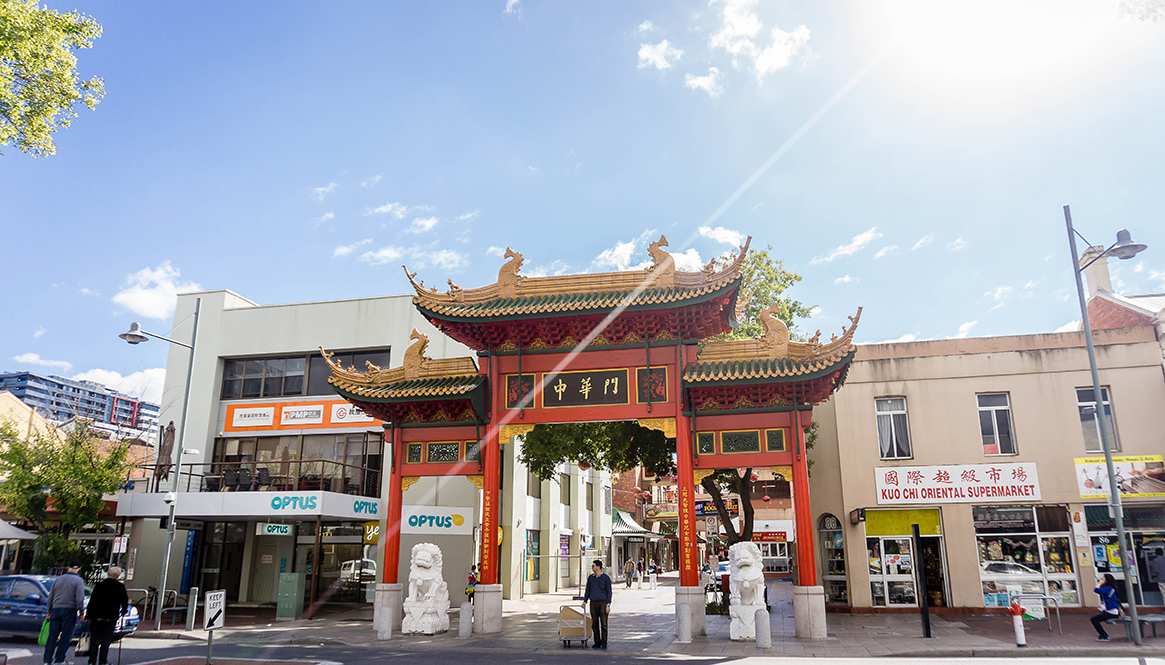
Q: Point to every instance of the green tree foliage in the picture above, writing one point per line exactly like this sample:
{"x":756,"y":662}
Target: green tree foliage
{"x":620,"y":446}
{"x":39,"y":85}
{"x":58,"y":482}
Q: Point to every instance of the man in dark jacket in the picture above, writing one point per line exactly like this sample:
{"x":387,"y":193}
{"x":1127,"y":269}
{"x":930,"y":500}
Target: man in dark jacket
{"x":108,"y":602}
{"x":599,"y":594}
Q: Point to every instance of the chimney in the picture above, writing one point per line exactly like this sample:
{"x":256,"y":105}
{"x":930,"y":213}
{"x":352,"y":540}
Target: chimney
{"x":1096,"y":274}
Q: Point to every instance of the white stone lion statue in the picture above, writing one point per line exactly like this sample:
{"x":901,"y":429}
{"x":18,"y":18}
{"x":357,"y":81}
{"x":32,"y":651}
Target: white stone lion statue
{"x":426,"y":607}
{"x":746,"y":577}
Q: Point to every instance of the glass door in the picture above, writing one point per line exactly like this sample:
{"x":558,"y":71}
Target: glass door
{"x":891,"y":571}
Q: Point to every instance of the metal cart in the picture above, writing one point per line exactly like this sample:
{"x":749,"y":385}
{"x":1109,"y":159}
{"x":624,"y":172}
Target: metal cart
{"x":573,"y":626}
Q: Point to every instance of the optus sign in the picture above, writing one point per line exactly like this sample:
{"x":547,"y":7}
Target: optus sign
{"x":294,"y":503}
{"x":437,"y":520}
{"x":365,"y":507}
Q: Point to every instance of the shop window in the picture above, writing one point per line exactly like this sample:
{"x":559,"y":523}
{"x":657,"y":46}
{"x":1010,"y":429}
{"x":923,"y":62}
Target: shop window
{"x":1025,"y":549}
{"x":891,"y":571}
{"x":263,"y":377}
{"x":564,"y":489}
{"x":893,"y":430}
{"x":590,"y":504}
{"x":995,"y":424}
{"x":1086,"y":404}
{"x":533,"y":562}
{"x":833,"y":559}
{"x":533,"y":486}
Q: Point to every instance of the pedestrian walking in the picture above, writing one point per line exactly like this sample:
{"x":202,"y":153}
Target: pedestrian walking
{"x":66,"y":600}
{"x":628,"y":571}
{"x":639,"y":572}
{"x":108,"y":602}
{"x":599,"y":593}
{"x":1157,"y":570}
{"x":1109,"y":606}
{"x":471,"y":583}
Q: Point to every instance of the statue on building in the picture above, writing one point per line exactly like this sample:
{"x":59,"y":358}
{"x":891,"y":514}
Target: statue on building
{"x":426,"y":607}
{"x":165,"y":456}
{"x":746,"y":584}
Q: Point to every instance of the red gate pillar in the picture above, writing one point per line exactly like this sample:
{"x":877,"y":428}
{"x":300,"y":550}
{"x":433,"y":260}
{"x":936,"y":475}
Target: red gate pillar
{"x":390,"y":594}
{"x":490,"y":504}
{"x":803,"y":512}
{"x":689,"y":593}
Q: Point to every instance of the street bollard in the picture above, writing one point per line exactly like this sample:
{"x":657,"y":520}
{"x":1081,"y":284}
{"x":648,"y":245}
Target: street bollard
{"x":1017,"y":623}
{"x":385,"y":630}
{"x":764,"y":631}
{"x":465,"y":620}
{"x":192,"y":609}
{"x":684,"y":624}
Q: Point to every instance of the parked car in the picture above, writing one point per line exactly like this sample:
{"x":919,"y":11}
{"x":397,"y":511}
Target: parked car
{"x":361,"y":570}
{"x":24,"y":607}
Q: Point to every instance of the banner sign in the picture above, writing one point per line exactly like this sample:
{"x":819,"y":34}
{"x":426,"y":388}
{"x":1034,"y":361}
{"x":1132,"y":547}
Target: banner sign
{"x":769,"y":537}
{"x":316,"y":414}
{"x":1136,"y":475}
{"x":709,"y":508}
{"x":957,"y":483}
{"x":436,"y":520}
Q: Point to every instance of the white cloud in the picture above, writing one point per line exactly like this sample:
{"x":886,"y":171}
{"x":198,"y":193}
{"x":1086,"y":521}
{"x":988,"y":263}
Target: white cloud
{"x":512,"y":7}
{"x":645,"y":27}
{"x":658,"y":55}
{"x":145,"y":385}
{"x":964,"y":330}
{"x":1000,"y":293}
{"x":469,"y":215}
{"x":859,"y":241}
{"x":556,"y":267}
{"x":957,"y":244}
{"x":499,"y":252}
{"x":346,"y":250}
{"x":442,"y":258}
{"x":88,"y":292}
{"x":688,"y":261}
{"x":153,"y":292}
{"x":371,"y":182}
{"x":721,"y":234}
{"x":395,"y":208}
{"x":1142,"y":10}
{"x":923,"y":242}
{"x":319,"y":193}
{"x":422,"y":224}
{"x":35,"y":359}
{"x":814,"y":312}
{"x":888,"y":249}
{"x":739,"y":28}
{"x":1071,"y":326}
{"x":845,"y":279}
{"x":619,"y":257}
{"x":382,"y":256}
{"x":908,"y":337}
{"x":40,"y":332}
{"x":780,"y":53}
{"x":326,"y":217}
{"x":711,"y":84}
{"x":1032,"y":282}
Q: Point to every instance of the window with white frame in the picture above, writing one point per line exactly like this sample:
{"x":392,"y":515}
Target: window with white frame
{"x":1086,"y":404}
{"x":995,"y":424}
{"x":893,"y":431}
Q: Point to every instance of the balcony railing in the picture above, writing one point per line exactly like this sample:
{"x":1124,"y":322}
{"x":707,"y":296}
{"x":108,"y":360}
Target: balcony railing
{"x":309,"y":475}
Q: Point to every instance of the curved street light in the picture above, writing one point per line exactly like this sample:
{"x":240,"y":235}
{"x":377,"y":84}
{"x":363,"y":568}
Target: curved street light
{"x":1123,"y":248}
{"x":135,"y":335}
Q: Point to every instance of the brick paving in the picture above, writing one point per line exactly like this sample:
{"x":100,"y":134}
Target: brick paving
{"x":642,"y":622}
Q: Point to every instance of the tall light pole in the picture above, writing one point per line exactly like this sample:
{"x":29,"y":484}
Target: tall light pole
{"x":135,"y":335}
{"x":1123,"y":248}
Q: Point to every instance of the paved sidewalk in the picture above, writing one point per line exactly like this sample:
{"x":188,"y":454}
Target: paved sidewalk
{"x":643,"y":622}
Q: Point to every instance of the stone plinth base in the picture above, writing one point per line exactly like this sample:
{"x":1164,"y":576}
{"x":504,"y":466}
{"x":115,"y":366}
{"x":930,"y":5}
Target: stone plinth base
{"x":693,"y":597}
{"x":809,"y":612}
{"x":743,"y":626}
{"x":487,"y":608}
{"x":389,"y":595}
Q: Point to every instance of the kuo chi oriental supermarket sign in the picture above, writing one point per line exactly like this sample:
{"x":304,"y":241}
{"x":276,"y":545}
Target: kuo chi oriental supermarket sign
{"x":957,"y":483}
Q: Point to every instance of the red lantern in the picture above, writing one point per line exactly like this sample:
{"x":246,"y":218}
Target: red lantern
{"x":755,"y":477}
{"x":583,"y":466}
{"x":637,"y":490}
{"x":646,"y":495}
{"x":766,"y":498}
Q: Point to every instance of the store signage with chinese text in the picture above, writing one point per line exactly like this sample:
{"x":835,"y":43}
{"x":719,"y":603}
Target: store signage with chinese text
{"x":1137,"y":475}
{"x":769,"y":537}
{"x":294,"y":415}
{"x":957,"y":483}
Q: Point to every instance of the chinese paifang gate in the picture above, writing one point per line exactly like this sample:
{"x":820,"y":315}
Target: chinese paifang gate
{"x":602,"y":347}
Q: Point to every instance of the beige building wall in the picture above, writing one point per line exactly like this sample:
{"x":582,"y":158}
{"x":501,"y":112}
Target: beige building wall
{"x":940,"y":381}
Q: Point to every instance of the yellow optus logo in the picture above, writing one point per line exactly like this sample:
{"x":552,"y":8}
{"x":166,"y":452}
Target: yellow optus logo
{"x":458,"y":520}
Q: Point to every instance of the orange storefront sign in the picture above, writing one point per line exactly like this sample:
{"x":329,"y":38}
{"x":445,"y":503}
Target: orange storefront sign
{"x":295,"y":415}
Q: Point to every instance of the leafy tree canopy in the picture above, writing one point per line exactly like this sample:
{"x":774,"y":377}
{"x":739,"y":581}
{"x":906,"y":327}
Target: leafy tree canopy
{"x":59,"y":478}
{"x":39,"y":85}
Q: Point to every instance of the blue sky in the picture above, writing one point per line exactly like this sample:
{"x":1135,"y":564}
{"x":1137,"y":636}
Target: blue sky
{"x":912,"y":158}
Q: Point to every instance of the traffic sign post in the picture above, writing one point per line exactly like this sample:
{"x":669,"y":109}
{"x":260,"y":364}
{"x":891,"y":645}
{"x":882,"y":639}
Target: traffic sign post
{"x":213,"y":617}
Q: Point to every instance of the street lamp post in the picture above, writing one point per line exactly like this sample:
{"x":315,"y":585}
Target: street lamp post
{"x":1123,"y":248}
{"x":135,"y":335}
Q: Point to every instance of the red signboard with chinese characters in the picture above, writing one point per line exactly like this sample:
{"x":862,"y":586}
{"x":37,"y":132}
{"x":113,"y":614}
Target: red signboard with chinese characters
{"x":769,"y":537}
{"x":957,"y":483}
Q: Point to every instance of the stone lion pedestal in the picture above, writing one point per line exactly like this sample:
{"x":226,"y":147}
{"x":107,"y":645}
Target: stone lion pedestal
{"x":426,"y":607}
{"x":746,"y":584}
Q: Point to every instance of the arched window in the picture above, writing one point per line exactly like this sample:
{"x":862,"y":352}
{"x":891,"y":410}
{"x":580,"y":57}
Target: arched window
{"x":833,"y":559}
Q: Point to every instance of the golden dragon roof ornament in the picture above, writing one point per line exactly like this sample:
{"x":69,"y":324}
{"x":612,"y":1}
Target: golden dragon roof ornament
{"x":416,"y":365}
{"x":775,"y":342}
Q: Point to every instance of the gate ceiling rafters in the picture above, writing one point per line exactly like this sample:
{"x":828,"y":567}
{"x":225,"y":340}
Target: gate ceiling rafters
{"x":735,"y":403}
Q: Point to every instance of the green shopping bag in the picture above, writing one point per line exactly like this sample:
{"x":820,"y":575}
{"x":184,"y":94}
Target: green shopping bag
{"x":44,"y":633}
